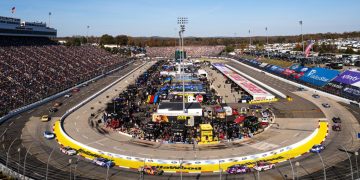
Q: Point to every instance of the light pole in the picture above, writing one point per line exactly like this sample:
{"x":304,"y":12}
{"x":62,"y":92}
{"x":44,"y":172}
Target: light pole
{"x":249,"y":41}
{"x":70,"y":161}
{"x":182,"y":21}
{"x":356,"y":163}
{"x":267,"y":41}
{"x":47,"y":164}
{"x":27,"y":151}
{"x":49,"y":18}
{"x":8,"y":152}
{"x":302,"y":36}
{"x":292,"y":169}
{"x":351,"y":169}
{"x":87,"y":33}
{"x":323,"y":165}
{"x":76,"y":164}
{"x":19,"y":161}
{"x":297,"y":164}
{"x":220,"y":170}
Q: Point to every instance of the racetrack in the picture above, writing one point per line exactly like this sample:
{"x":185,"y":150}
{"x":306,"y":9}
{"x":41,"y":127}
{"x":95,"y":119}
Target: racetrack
{"x":303,"y":107}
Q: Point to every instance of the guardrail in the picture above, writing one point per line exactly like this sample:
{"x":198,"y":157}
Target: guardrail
{"x":60,"y":94}
{"x":190,"y":166}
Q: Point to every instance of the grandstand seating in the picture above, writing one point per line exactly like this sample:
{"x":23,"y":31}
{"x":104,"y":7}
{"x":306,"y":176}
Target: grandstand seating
{"x":192,"y":51}
{"x":34,"y":68}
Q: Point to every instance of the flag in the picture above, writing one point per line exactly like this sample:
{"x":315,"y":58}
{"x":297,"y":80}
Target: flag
{"x":249,"y":31}
{"x":265,"y":28}
{"x":13,"y":10}
{"x":49,"y":13}
{"x":308,"y":48}
{"x":300,"y":22}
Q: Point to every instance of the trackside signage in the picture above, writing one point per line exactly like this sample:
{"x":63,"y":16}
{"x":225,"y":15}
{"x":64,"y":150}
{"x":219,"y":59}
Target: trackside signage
{"x":349,"y":77}
{"x":319,"y":76}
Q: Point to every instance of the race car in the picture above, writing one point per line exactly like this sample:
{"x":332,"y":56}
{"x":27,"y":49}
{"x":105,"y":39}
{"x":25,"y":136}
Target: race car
{"x":237,"y":169}
{"x":45,"y":118}
{"x":315,"y":96}
{"x":336,"y":119}
{"x":68,"y":150}
{"x":49,"y":135}
{"x":262,"y":166}
{"x":103,"y":162}
{"x":336,"y":127}
{"x":317,"y":148}
{"x":151,"y":170}
{"x":325,"y":105}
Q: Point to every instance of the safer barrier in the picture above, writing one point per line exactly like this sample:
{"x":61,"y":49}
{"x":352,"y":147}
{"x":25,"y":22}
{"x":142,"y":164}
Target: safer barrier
{"x":197,"y":166}
{"x":263,"y":101}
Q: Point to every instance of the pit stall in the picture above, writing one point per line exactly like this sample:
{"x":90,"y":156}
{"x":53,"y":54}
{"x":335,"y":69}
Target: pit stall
{"x":254,"y":90}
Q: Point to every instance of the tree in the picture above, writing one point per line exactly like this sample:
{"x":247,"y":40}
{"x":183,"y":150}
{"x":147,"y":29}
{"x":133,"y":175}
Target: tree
{"x":107,"y":39}
{"x":122,"y":40}
{"x":229,"y":49}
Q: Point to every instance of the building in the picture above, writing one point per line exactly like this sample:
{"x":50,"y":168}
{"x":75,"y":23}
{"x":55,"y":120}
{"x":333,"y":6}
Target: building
{"x":15,"y":27}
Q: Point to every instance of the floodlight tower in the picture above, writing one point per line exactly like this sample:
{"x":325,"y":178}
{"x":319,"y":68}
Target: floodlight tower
{"x":182,"y":21}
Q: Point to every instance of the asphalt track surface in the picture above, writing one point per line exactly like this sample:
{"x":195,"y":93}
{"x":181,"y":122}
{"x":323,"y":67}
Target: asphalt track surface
{"x":59,"y":163}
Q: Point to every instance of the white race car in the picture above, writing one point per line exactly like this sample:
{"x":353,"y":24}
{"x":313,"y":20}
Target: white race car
{"x":68,"y":150}
{"x":49,"y":135}
{"x":262,"y":166}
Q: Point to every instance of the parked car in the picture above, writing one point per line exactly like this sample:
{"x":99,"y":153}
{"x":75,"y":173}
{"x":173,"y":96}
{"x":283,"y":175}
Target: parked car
{"x":317,"y":148}
{"x":325,"y":105}
{"x":238,"y":169}
{"x":262,"y":166}
{"x":255,"y":107}
{"x":49,"y":135}
{"x":315,"y":96}
{"x":103,"y":162}
{"x":45,"y":118}
{"x":151,"y":170}
{"x":336,"y":119}
{"x":68,"y":150}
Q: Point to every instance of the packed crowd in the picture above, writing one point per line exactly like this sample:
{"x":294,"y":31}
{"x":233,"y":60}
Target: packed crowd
{"x":191,"y":51}
{"x":34,"y":68}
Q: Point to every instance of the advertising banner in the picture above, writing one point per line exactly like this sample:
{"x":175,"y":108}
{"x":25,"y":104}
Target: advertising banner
{"x":334,"y":86}
{"x":349,"y":77}
{"x":352,"y":92}
{"x":319,"y":76}
{"x":288,"y":72}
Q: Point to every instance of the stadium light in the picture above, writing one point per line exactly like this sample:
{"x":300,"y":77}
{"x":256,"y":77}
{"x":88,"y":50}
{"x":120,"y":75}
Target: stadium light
{"x":182,"y":21}
{"x":49,"y":18}
{"x":302,"y":36}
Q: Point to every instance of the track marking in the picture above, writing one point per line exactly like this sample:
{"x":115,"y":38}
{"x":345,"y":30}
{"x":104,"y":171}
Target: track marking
{"x":297,"y":134}
{"x":18,"y":117}
{"x":84,"y":136}
{"x":11,"y":123}
{"x":77,"y":130}
{"x":30,"y":111}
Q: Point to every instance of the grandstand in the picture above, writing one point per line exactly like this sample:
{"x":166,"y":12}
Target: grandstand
{"x":191,"y":51}
{"x":32,"y":68}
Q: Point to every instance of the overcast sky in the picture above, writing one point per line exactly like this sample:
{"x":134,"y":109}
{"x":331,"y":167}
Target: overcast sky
{"x":206,"y":17}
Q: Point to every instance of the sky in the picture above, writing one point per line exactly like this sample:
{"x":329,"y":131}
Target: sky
{"x":207,"y":18}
